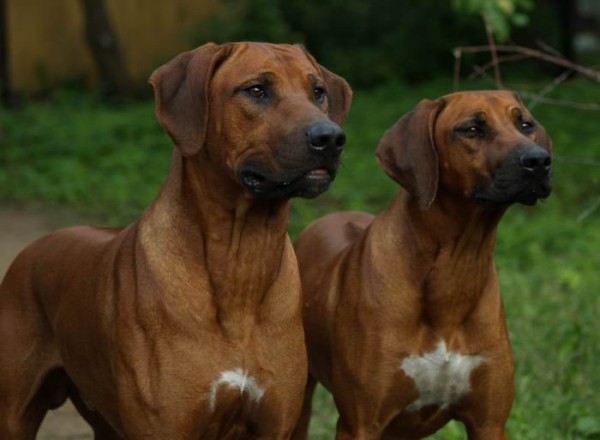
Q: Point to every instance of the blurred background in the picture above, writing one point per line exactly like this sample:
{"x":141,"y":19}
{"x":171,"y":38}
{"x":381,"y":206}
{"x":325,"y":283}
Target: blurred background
{"x":79,"y":143}
{"x":113,"y":45}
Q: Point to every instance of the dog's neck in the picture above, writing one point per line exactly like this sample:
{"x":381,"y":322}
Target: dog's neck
{"x":453,"y":242}
{"x":231,"y":243}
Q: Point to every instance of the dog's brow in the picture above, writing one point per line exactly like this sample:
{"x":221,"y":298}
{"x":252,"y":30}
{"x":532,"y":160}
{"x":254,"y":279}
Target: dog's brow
{"x":267,"y":77}
{"x":264,"y":78}
{"x":314,"y":79}
{"x":478,"y":118}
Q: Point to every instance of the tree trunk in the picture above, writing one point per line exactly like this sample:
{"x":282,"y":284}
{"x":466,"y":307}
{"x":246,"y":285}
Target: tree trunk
{"x":106,"y":50}
{"x":5,"y":88}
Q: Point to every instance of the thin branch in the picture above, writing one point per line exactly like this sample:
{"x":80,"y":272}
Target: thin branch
{"x":457,"y":59}
{"x":577,"y":160}
{"x":504,"y":59}
{"x":592,"y":74}
{"x":585,"y":214}
{"x":547,"y":48}
{"x":493,"y":52}
{"x":478,"y":71}
{"x":550,"y":87}
{"x":563,"y":103}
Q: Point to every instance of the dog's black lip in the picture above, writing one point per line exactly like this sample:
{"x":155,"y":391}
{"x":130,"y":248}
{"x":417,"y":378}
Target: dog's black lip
{"x":259,"y":183}
{"x":251,"y":178}
{"x":529,"y":198}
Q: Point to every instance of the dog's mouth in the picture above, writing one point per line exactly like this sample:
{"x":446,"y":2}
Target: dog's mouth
{"x":307,"y":184}
{"x":524,"y":177}
{"x":526,"y":193}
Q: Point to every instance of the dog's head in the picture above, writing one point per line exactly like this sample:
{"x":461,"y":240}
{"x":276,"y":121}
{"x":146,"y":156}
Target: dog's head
{"x":484,"y":146}
{"x":268,"y":113}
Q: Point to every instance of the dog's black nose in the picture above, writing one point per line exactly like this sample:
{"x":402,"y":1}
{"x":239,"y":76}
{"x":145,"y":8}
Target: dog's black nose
{"x":326,"y":138}
{"x":536,"y":160}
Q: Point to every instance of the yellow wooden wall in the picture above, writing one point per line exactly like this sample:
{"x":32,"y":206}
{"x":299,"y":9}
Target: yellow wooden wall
{"x":47,"y":41}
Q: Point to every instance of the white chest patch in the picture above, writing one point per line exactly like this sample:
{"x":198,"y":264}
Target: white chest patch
{"x":442,"y":377}
{"x":236,"y":379}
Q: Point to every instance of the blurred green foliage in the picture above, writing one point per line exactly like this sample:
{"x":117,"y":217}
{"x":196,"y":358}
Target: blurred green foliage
{"x":366,"y":42}
{"x":234,"y":20}
{"x":500,"y":14}
{"x":381,"y":40}
{"x":76,"y":152}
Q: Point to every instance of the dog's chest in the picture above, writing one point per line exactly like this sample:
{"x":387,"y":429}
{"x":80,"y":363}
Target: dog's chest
{"x":249,"y":390}
{"x":442,"y":377}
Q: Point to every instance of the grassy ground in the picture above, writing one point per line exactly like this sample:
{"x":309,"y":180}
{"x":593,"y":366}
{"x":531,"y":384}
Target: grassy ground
{"x":73,"y":152}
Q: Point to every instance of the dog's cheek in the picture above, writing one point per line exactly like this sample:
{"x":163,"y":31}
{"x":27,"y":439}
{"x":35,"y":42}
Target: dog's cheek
{"x":233,"y":130}
{"x":455,"y":183}
{"x":483,"y":169}
{"x":461,"y":174}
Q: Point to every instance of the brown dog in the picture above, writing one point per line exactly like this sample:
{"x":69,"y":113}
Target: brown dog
{"x":403,"y":317}
{"x":186,"y":324}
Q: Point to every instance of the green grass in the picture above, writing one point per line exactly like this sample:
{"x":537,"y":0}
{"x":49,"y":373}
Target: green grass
{"x":73,"y":152}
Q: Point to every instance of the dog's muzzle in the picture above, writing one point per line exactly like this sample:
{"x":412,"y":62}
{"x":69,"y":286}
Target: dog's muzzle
{"x":307,"y":183}
{"x":524,"y":177}
{"x":302,"y":171}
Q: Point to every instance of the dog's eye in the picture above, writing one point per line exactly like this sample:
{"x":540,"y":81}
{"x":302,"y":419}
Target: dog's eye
{"x":470,"y":130}
{"x":256,"y":91}
{"x":527,"y":126}
{"x":319,"y":94}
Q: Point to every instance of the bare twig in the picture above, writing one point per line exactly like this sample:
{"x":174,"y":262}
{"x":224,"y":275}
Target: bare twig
{"x":550,"y":87}
{"x":577,"y":160}
{"x":505,"y":59}
{"x":479,"y":71}
{"x":493,"y":52}
{"x":561,"y":102}
{"x":592,"y":74}
{"x":585,"y":214}
{"x":457,"y":58}
{"x":547,"y":48}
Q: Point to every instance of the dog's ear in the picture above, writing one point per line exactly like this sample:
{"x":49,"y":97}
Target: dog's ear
{"x":181,"y":95}
{"x":408,"y":155}
{"x":541,"y":136}
{"x":339,"y":93}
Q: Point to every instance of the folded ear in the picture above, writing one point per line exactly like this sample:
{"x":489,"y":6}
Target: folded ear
{"x":181,"y":95}
{"x":408,"y":155}
{"x":339,"y":93}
